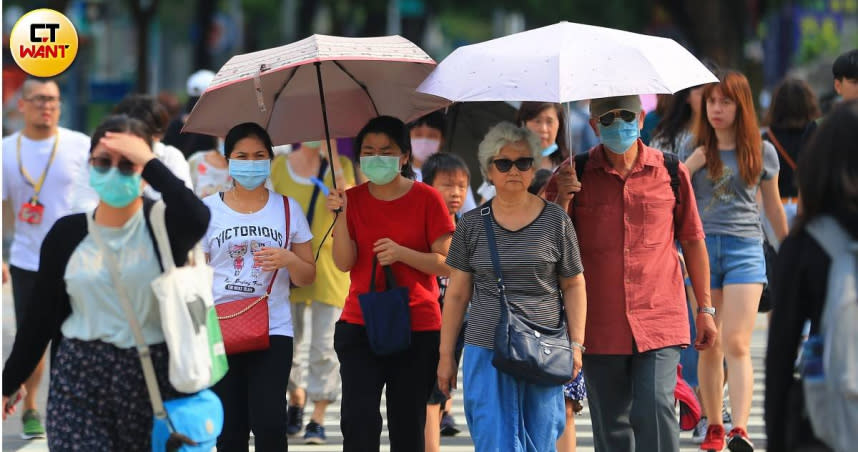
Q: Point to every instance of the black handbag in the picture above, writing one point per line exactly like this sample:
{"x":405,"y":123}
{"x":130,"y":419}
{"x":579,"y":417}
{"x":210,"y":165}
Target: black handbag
{"x":386,"y":315}
{"x":527,"y":351}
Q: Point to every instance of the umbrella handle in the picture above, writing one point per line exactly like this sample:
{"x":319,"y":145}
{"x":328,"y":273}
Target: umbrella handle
{"x":318,"y":65}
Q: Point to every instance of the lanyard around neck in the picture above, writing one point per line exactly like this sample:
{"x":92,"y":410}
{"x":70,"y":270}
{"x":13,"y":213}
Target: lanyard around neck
{"x":37,"y":186}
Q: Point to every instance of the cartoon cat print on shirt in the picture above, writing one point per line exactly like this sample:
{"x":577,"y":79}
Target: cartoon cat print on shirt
{"x":237,"y":252}
{"x":257,"y":269}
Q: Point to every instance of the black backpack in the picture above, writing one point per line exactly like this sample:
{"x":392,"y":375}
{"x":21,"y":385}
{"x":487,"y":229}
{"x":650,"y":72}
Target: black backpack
{"x":671,"y":162}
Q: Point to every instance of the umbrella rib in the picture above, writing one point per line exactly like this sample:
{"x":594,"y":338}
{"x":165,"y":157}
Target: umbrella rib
{"x":363,"y":87}
{"x":277,"y":95}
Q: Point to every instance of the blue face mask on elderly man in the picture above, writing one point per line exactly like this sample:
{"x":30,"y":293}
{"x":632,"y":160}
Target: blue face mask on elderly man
{"x":620,"y":135}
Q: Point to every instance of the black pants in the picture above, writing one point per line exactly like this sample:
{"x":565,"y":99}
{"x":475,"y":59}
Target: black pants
{"x":409,"y":377}
{"x":23,"y":282}
{"x":253,"y":393}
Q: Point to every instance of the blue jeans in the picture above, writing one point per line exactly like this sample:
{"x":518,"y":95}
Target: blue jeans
{"x":505,"y":414}
{"x":735,"y":260}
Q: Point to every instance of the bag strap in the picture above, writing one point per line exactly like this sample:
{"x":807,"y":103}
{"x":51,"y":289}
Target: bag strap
{"x":158,"y":222}
{"x":781,"y":150}
{"x":285,"y":240}
{"x":390,"y":280}
{"x":142,"y":349}
{"x":486,"y":213}
{"x":671,"y":162}
{"x":311,"y":209}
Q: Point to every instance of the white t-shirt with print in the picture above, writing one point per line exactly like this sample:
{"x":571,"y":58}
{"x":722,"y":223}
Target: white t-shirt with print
{"x":58,"y":192}
{"x":230,"y":241}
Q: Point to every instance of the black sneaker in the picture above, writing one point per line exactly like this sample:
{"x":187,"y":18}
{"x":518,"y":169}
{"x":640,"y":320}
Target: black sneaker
{"x":295,"y":420}
{"x":448,"y":425}
{"x":314,"y":434}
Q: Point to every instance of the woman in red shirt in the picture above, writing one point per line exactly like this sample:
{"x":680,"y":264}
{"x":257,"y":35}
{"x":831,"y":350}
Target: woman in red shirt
{"x":405,"y":225}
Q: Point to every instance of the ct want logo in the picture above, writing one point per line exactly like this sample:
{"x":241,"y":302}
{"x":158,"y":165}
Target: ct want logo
{"x":43,"y":42}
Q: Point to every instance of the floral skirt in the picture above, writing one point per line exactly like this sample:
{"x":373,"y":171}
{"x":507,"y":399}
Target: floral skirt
{"x":98,"y":399}
{"x":576,"y":392}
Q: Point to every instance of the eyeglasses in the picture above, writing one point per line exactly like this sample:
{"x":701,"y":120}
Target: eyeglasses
{"x":608,"y":118}
{"x":504,"y":165}
{"x":103,"y":165}
{"x":41,"y":101}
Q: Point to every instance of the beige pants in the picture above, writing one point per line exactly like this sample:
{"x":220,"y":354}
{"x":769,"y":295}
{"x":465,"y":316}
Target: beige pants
{"x":323,"y":367}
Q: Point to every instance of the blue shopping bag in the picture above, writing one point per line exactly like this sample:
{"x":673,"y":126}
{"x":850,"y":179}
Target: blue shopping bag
{"x":386,"y":314}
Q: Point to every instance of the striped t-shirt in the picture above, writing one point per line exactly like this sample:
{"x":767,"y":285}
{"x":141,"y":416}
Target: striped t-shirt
{"x":532,"y":260}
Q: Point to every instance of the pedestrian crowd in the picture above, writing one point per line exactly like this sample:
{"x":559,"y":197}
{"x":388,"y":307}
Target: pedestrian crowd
{"x":608,"y":275}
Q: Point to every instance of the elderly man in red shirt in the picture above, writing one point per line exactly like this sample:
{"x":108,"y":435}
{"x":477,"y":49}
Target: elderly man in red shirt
{"x":628,"y":216}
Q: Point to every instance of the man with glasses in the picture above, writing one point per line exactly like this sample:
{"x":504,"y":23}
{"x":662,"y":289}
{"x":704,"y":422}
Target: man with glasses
{"x":629,"y":206}
{"x":41,"y":166}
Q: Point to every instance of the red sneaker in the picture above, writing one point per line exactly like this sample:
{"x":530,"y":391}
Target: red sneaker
{"x":738,"y":441}
{"x":714,"y":441}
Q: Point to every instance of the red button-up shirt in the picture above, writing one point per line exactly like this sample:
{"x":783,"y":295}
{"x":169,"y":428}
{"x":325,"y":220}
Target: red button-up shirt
{"x":626,"y":230}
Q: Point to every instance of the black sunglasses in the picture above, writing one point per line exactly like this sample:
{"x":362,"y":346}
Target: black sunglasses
{"x":103,"y":165}
{"x":504,"y":165}
{"x":608,"y":118}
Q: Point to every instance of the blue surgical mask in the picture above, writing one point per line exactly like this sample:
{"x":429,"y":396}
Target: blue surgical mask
{"x":115,"y":189}
{"x":549,"y":150}
{"x":380,"y":169}
{"x":249,"y":173}
{"x":619,"y":136}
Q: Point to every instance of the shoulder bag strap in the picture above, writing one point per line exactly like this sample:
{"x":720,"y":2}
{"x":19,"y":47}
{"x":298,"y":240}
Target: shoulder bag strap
{"x":142,"y":349}
{"x":781,"y":150}
{"x":311,"y":209}
{"x":287,"y":214}
{"x":486,"y":213}
{"x":671,"y":162}
{"x":158,"y":222}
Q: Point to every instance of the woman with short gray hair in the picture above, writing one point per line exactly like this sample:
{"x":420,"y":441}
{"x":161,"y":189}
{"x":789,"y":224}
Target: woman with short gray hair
{"x":540,"y":262}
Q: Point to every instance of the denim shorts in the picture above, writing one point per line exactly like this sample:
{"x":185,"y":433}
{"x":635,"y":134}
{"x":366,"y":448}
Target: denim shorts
{"x":735,"y":260}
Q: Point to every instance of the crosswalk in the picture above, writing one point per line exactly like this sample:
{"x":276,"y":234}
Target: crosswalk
{"x":584,"y":431}
{"x":460,"y":443}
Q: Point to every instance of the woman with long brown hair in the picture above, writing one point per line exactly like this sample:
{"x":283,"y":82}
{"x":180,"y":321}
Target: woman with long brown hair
{"x":729,"y":167}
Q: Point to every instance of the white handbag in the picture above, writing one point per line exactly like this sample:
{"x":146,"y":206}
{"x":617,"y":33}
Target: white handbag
{"x":188,"y":318}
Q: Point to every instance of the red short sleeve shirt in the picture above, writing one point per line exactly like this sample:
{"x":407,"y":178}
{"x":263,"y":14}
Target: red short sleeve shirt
{"x":415,"y":220}
{"x":627,"y":230}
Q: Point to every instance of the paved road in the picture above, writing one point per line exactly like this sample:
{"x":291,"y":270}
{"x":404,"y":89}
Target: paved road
{"x":11,"y":428}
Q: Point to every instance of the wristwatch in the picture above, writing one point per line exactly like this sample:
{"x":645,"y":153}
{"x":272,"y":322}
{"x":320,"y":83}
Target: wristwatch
{"x":706,"y":310}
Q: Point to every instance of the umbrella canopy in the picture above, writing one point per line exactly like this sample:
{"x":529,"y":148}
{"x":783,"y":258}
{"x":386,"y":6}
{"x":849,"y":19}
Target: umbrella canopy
{"x":565,"y":62}
{"x":282,"y":88}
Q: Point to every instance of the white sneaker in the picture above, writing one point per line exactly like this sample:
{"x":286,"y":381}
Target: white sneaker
{"x":699,"y":432}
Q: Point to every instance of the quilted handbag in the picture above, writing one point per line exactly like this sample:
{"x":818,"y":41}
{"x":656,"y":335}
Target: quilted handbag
{"x":244,"y":323}
{"x":523,"y":349}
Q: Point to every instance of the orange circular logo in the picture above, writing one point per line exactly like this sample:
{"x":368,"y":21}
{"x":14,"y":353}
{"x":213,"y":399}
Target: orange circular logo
{"x":43,"y":42}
